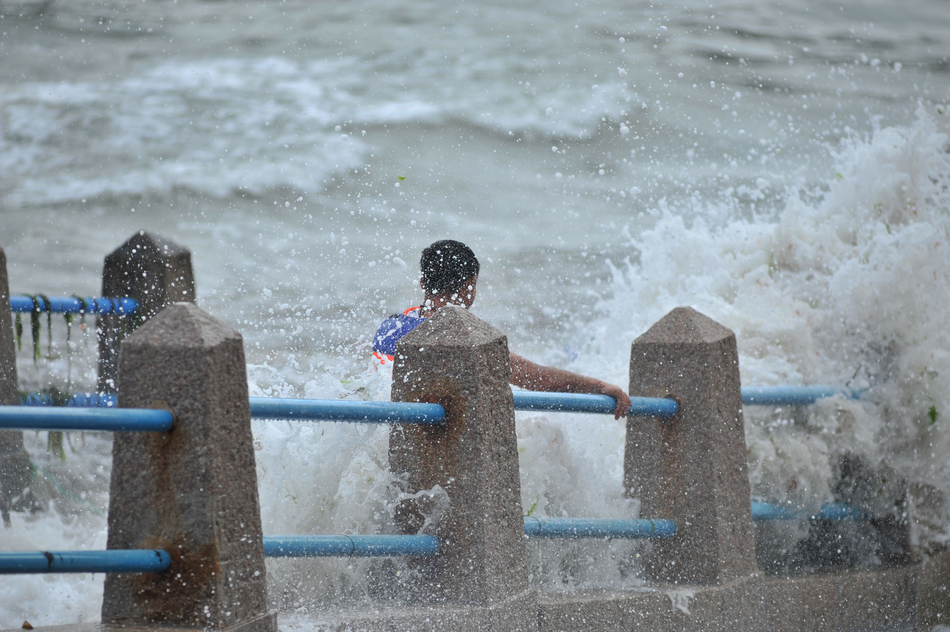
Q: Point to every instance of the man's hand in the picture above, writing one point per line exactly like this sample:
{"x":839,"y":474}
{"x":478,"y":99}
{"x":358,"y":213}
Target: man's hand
{"x":535,"y":377}
{"x":623,"y":401}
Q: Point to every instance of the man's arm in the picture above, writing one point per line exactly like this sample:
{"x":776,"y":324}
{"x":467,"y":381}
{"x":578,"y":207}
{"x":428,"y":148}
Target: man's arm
{"x":535,"y":377}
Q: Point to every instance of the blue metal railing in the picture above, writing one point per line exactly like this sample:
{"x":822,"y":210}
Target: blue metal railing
{"x":73,"y":305}
{"x":524,"y":400}
{"x":769,"y":512}
{"x":405,"y":412}
{"x":346,"y":410}
{"x":154,"y":561}
{"x":396,"y":412}
{"x":108,"y":419}
{"x":668,"y":408}
{"x":598,"y":528}
{"x":603,"y":404}
{"x":76,"y":400}
{"x":112,"y":561}
{"x":794,"y":395}
{"x":155,"y":420}
{"x":350,"y":545}
{"x":420,"y":545}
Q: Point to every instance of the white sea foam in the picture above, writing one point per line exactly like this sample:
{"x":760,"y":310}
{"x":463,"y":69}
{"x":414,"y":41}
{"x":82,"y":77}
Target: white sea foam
{"x":214,"y":127}
{"x":848,"y":285}
{"x":219,"y":126}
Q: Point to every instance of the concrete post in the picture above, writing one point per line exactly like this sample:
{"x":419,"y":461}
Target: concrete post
{"x":14,"y":460}
{"x":192,"y":491}
{"x":461,"y":362}
{"x":150,"y":269}
{"x":692,"y":469}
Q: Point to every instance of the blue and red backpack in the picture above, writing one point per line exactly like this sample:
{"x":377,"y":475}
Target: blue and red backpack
{"x":392,"y":330}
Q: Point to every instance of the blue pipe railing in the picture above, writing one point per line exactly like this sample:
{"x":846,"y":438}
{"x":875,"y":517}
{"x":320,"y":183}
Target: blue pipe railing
{"x":86,"y":419}
{"x":394,"y":412}
{"x":346,"y":410}
{"x":418,"y":545}
{"x":76,"y":400}
{"x":406,"y":412}
{"x":153,"y":561}
{"x":768,"y":512}
{"x":524,"y":400}
{"x":350,"y":545}
{"x":112,"y":561}
{"x":598,"y":528}
{"x":794,"y":395}
{"x":73,"y":305}
{"x":603,"y":404}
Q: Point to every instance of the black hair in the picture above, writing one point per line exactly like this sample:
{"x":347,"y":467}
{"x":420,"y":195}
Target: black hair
{"x":446,"y":265}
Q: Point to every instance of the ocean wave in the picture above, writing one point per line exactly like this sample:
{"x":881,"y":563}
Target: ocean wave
{"x":225,"y":125}
{"x":848,"y":285}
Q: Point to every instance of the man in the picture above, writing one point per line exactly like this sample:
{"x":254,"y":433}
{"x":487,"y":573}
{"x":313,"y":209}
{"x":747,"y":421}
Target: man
{"x":449,"y":277}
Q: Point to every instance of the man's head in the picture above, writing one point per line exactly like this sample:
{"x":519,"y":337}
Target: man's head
{"x":449,"y":268}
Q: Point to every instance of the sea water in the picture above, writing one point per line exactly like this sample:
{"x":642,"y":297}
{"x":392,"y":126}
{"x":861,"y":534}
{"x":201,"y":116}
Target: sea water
{"x":783,"y":168}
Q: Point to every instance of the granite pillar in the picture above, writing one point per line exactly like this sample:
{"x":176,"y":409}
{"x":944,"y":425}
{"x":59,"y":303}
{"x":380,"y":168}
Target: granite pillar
{"x":933,"y":591}
{"x":14,"y":460}
{"x":692,"y":469}
{"x":461,"y":362}
{"x":191,"y":491}
{"x":154,"y":271}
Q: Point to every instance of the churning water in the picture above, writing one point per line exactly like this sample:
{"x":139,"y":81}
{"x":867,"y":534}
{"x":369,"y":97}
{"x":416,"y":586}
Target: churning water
{"x":782,"y":167}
